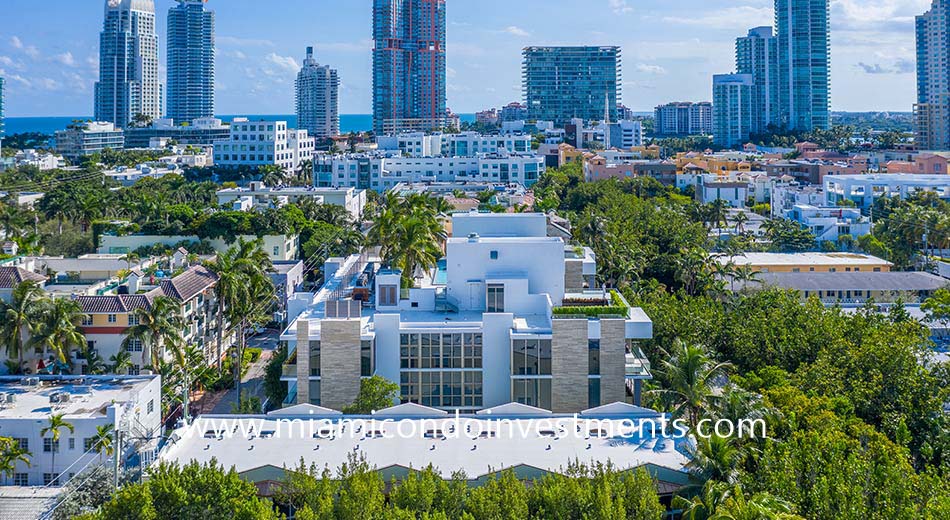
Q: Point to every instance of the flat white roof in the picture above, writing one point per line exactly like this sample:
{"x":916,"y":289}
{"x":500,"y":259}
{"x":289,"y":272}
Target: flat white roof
{"x":413,"y":439}
{"x":89,"y":396}
{"x":802,"y":259}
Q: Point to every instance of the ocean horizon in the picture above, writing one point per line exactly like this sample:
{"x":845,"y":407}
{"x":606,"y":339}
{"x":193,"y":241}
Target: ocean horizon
{"x":49,"y":125}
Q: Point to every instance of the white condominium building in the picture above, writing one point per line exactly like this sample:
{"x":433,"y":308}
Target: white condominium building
{"x":381,"y":172}
{"x":464,"y":144}
{"x":862,"y":190}
{"x":507,"y":316}
{"x":260,"y":143}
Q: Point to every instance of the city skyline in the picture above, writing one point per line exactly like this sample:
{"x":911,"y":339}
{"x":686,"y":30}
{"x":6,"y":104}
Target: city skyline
{"x":872,"y":45}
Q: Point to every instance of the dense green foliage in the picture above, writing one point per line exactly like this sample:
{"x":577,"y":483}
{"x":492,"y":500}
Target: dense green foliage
{"x":356,"y":491}
{"x":192,"y":492}
{"x":376,"y":393}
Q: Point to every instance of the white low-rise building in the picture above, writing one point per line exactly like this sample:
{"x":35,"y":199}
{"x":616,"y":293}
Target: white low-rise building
{"x":510,"y":315}
{"x":131,"y":405}
{"x":828,"y":224}
{"x":261,"y":143}
{"x":41,"y":160}
{"x":863,"y":190}
{"x":259,"y":195}
{"x":528,"y":441}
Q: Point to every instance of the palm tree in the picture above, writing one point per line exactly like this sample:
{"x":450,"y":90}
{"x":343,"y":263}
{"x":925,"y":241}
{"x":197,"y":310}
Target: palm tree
{"x":130,"y":258}
{"x":237,"y":270}
{"x":721,"y":501}
{"x":102,"y":440}
{"x":58,"y":329}
{"x":689,"y":374}
{"x":56,"y":423}
{"x":12,"y":453}
{"x":715,"y":458}
{"x":18,"y":316}
{"x":740,"y":220}
{"x":271,"y":175}
{"x":159,"y":325}
{"x":120,"y":362}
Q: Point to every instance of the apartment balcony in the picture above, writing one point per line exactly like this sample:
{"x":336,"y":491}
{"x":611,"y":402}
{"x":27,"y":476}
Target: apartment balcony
{"x":637,"y":366}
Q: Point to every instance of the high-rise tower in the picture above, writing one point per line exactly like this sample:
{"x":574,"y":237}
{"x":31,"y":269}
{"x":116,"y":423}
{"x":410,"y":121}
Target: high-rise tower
{"x":318,"y":104}
{"x":408,"y":65}
{"x":128,"y":88}
{"x":757,"y":55}
{"x":804,"y":61}
{"x":932,"y":111}
{"x":190,"y":61}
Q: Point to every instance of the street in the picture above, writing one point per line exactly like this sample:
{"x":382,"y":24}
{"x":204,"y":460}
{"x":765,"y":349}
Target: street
{"x":252,"y":384}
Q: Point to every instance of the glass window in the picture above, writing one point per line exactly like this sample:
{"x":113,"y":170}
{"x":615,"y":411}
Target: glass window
{"x":593,"y":357}
{"x":496,"y":298}
{"x":366,"y":358}
{"x":314,"y":358}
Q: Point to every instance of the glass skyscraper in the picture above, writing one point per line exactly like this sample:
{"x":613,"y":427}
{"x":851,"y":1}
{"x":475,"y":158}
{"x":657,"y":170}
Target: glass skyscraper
{"x":408,"y":65}
{"x":128,"y":85}
{"x":562,"y":83}
{"x":318,"y":105}
{"x":1,"y":107}
{"x":804,"y":61}
{"x":757,"y":55}
{"x":932,"y":111}
{"x":190,"y":61}
{"x":733,"y":96}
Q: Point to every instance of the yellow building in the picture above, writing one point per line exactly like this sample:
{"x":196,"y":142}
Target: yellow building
{"x":809,"y":262}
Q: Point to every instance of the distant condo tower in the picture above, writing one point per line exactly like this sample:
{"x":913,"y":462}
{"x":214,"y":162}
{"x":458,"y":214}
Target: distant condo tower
{"x":128,"y":85}
{"x":318,"y":101}
{"x":190,"y":61}
{"x":932,"y":111}
{"x":563,"y":83}
{"x":408,"y":65}
{"x":804,"y":61}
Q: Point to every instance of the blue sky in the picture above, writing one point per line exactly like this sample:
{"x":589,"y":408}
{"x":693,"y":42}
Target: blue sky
{"x":670,"y":49}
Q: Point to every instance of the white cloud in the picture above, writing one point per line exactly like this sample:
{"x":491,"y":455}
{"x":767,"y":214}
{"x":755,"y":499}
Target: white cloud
{"x":620,"y":6}
{"x":234,"y":41}
{"x":516,"y":31}
{"x":15,"y":42}
{"x":650,"y":69}
{"x":50,"y":84}
{"x":7,"y":61}
{"x":66,"y":58}
{"x":728,"y":18}
{"x":29,"y":50}
{"x":238,"y":55}
{"x":360,"y":46}
{"x":287,"y":63}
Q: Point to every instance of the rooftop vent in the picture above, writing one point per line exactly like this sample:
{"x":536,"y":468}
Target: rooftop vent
{"x":473,"y":237}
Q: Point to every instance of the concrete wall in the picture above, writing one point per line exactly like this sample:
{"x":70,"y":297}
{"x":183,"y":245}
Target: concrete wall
{"x":612,"y":360}
{"x":500,"y":224}
{"x":339,"y":363}
{"x":303,"y":362}
{"x":569,"y":366}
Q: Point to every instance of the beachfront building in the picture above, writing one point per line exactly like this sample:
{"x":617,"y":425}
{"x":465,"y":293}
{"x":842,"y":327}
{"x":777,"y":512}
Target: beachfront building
{"x":82,"y":139}
{"x":318,"y":99}
{"x":202,"y":132}
{"x":409,"y":66}
{"x":190,"y":61}
{"x":129,"y":90}
{"x":510,"y":315}
{"x":260,"y":143}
